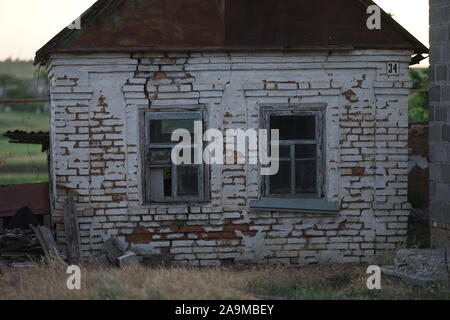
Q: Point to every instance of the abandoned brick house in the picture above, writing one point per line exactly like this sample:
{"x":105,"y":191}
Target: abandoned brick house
{"x":337,"y":91}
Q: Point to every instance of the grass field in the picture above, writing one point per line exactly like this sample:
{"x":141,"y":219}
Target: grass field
{"x":20,"y":69}
{"x":305,"y":283}
{"x":21,"y":163}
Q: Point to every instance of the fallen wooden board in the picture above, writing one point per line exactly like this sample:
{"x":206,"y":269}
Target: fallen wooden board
{"x":48,"y":244}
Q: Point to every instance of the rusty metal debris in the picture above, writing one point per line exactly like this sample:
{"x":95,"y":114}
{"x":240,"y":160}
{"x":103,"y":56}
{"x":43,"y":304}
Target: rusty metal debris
{"x":25,"y":242}
{"x":19,"y":246}
{"x":34,"y":196}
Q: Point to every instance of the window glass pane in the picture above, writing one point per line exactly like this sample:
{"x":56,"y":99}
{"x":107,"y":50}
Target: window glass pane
{"x":161,"y":130}
{"x":168,"y":182}
{"x":305,"y":151}
{"x":160,"y":156}
{"x":187,"y":181}
{"x":281,"y":182}
{"x":305,"y":176}
{"x":160,"y":183}
{"x":294,"y":127}
{"x":285,"y":152}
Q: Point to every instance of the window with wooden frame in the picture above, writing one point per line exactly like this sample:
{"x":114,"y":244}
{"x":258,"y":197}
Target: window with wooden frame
{"x":301,"y":153}
{"x":165,"y":181}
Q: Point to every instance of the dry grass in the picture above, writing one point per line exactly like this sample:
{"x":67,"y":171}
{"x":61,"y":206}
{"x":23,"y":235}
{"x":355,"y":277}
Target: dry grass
{"x":338,"y":282}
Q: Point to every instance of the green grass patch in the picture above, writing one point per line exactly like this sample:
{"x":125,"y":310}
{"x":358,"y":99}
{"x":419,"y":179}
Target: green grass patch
{"x":11,"y":121}
{"x":22,"y":163}
{"x":344,"y":286}
{"x":19,"y":178}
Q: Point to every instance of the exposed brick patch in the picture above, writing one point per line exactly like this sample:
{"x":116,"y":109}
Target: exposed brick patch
{"x":358,"y":171}
{"x":139,"y":236}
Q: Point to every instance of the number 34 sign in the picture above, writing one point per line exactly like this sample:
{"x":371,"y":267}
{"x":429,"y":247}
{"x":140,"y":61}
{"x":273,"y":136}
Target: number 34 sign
{"x":393,"y":68}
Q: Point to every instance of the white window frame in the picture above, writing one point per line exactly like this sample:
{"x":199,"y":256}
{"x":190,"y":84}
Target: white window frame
{"x":203,"y":175}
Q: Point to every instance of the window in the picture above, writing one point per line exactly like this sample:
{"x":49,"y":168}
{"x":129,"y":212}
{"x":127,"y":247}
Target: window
{"x":300,"y":174}
{"x":165,"y":181}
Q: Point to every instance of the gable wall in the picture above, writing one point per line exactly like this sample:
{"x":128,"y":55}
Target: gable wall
{"x":96,"y":103}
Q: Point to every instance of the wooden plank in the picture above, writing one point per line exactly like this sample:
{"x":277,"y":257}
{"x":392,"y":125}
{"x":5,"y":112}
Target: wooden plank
{"x":39,"y":236}
{"x":72,"y":231}
{"x":48,"y":244}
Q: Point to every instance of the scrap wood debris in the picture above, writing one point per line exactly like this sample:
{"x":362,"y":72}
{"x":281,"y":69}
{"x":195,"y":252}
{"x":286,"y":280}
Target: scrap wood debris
{"x":19,"y":248}
{"x":24,"y":242}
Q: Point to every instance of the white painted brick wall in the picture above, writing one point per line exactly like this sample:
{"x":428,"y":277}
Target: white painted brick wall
{"x":95,"y":116}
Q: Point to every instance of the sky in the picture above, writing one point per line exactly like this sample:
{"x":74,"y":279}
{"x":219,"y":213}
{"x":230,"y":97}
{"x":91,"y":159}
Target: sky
{"x":26,"y":25}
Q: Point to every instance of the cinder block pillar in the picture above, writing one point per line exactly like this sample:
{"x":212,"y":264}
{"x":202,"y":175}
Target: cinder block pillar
{"x":440,"y":122}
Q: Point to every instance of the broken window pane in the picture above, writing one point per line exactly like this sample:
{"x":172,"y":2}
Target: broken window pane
{"x":160,"y":156}
{"x":160,"y":183}
{"x":281,"y":182}
{"x":294,"y":127}
{"x":299,"y":152}
{"x":305,"y":176}
{"x":161,"y":130}
{"x":305,"y":151}
{"x":187,"y":181}
{"x":167,"y":182}
{"x":285,"y":152}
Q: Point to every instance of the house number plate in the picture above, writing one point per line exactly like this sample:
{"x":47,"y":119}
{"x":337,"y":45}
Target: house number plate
{"x":393,"y":68}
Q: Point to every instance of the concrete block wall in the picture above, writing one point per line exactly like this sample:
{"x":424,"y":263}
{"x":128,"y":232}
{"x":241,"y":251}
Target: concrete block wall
{"x":96,"y":110}
{"x":440,"y":122}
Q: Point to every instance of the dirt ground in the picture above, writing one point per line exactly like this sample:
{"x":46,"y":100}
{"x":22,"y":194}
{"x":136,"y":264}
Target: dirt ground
{"x":301,"y":283}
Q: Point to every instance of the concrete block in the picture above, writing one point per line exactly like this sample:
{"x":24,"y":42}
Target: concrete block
{"x":129,"y":259}
{"x":420,"y":267}
{"x":114,"y":248}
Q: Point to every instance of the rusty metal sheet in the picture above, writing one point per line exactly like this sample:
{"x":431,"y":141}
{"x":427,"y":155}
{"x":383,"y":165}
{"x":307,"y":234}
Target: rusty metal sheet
{"x":189,"y":25}
{"x":34,"y":195}
{"x":347,"y":24}
{"x":281,"y":23}
{"x":151,"y":23}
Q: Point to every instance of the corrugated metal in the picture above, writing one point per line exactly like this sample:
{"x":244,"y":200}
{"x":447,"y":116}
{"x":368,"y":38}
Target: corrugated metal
{"x":34,"y":196}
{"x":42,"y":138}
{"x":153,"y":25}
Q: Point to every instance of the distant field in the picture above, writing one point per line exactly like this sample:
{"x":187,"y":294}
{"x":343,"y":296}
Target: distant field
{"x":23,"y":121}
{"x":20,"y":69}
{"x":20,"y":163}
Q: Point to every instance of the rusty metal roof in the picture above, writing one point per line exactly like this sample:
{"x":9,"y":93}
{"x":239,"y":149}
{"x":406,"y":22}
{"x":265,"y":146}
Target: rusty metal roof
{"x":33,"y":195}
{"x":189,"y":25}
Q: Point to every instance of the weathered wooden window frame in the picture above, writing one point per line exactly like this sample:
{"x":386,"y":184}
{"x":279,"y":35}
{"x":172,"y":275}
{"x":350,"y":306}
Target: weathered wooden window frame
{"x":318,"y":111}
{"x":203,"y":175}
